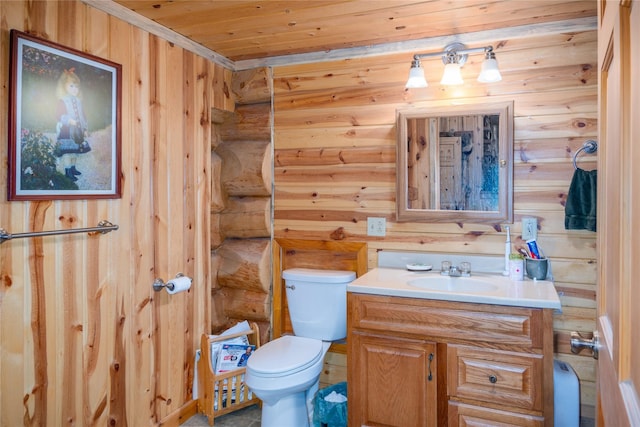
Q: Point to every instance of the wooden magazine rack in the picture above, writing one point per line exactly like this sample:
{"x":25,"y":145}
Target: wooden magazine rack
{"x":225,"y":392}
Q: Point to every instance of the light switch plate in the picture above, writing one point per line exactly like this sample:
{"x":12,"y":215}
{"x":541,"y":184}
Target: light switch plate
{"x":376,"y":226}
{"x":529,"y":228}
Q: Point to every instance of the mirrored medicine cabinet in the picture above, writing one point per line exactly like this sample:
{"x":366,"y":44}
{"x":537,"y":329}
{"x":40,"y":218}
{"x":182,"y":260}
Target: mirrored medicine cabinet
{"x":455,"y":163}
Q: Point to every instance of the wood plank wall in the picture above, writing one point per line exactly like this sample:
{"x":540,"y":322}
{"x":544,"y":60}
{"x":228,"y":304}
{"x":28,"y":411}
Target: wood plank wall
{"x":84,"y":339}
{"x":334,"y":142}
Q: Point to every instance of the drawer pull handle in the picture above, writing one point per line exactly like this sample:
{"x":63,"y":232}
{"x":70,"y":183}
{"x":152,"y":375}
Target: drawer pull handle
{"x":430,"y":376}
{"x":493,"y":379}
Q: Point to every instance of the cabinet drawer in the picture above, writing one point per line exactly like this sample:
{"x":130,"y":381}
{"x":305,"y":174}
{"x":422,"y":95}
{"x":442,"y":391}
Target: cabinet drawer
{"x":496,"y":377}
{"x":431,"y":319}
{"x":461,"y":415}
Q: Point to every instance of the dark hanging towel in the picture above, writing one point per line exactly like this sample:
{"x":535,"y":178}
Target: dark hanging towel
{"x":581,"y":206}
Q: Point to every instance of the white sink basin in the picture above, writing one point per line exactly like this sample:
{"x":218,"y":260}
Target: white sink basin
{"x":487,"y":288}
{"x":454,"y":284}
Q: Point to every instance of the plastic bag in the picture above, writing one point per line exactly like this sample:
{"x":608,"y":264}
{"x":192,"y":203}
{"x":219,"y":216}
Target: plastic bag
{"x":329,"y":412}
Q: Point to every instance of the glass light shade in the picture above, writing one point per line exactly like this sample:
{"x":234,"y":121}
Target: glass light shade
{"x":416,"y":78}
{"x":490,"y":72}
{"x":451,"y":75}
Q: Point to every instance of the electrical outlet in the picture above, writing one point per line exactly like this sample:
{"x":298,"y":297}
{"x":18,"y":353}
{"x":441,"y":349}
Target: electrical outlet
{"x":376,"y":226}
{"x":529,"y":228}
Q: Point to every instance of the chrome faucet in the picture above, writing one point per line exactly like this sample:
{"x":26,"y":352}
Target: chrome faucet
{"x":464,"y":270}
{"x":454,"y":271}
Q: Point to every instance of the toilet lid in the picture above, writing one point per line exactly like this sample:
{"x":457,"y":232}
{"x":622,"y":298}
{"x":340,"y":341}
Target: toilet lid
{"x":289,"y":354}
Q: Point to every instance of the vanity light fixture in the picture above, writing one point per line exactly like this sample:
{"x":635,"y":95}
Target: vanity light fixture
{"x":489,"y":72}
{"x":454,"y":56}
{"x":416,"y":75}
{"x":451,"y":75}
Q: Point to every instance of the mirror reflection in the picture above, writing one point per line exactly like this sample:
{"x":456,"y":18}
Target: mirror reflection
{"x":455,"y":159}
{"x":452,"y":162}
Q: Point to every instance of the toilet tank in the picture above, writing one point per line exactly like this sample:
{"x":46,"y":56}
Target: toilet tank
{"x":317,"y":302}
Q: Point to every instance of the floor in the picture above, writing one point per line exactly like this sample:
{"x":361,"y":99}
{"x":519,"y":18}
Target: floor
{"x":250,"y":417}
{"x":245,"y":417}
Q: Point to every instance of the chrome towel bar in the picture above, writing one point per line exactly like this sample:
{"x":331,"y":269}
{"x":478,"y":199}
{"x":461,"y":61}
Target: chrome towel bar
{"x":102,"y":228}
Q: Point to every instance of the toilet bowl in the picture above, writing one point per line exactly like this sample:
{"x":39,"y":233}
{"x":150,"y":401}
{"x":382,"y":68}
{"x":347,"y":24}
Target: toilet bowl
{"x":285,"y":373}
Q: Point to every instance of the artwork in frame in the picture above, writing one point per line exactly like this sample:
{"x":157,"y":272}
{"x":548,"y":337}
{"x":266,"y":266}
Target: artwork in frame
{"x":64,"y":122}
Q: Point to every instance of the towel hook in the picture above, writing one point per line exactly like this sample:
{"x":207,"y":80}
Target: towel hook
{"x":590,"y":146}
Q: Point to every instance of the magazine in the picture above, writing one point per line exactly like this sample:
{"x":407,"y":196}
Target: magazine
{"x":216,"y":348}
{"x":217,"y":345}
{"x":233,"y":356}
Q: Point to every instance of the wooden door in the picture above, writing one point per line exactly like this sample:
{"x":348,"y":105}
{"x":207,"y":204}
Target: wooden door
{"x":619,"y":213}
{"x":395,"y":382}
{"x":450,"y":158}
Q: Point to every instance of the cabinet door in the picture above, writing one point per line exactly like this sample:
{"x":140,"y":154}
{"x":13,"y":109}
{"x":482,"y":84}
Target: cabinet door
{"x":392,"y":381}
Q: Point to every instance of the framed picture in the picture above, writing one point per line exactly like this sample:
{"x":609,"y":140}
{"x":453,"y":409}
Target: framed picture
{"x":64,"y":122}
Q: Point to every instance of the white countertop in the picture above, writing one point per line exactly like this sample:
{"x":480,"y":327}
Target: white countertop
{"x":395,"y":282}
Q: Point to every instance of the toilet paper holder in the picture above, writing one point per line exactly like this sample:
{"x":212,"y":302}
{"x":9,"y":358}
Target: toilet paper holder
{"x":159,"y":284}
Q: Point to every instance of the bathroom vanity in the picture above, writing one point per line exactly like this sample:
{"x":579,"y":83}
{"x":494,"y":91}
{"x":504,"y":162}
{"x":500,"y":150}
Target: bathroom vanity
{"x":427,"y":350}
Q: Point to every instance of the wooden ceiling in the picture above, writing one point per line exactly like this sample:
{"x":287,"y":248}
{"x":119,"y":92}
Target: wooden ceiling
{"x":247,"y":29}
{"x":241,"y":30}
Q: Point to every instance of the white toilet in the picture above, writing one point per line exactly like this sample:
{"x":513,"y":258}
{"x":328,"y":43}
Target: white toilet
{"x":285,"y":372}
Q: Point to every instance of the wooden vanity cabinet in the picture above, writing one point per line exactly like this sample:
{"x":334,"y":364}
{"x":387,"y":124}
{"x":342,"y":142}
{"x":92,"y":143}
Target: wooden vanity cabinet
{"x":418,"y":362}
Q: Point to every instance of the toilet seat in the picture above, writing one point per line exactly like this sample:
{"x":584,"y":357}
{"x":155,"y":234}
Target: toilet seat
{"x":285,"y":356}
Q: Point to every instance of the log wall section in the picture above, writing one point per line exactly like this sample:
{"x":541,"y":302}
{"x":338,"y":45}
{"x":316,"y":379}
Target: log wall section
{"x":84,"y":338}
{"x":241,"y":203}
{"x":334,"y":159}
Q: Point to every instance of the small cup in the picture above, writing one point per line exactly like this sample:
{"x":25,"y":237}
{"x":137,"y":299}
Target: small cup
{"x":516,"y":267}
{"x":445,"y":267}
{"x":537,"y":268}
